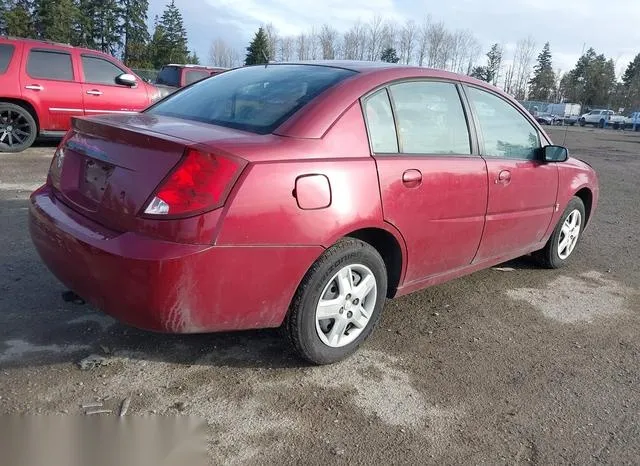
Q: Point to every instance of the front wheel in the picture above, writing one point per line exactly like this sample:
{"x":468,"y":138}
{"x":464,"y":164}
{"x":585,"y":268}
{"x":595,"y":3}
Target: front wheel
{"x":338,"y":303}
{"x":18,"y":128}
{"x":582,"y":122}
{"x":565,"y":237}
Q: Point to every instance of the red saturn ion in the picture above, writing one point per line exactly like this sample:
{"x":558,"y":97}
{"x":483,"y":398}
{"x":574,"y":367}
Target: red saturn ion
{"x":303,"y":195}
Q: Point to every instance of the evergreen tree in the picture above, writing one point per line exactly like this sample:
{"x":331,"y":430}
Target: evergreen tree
{"x":258,"y":49}
{"x":193,"y":59}
{"x":170,"y":38}
{"x":106,"y":26}
{"x":19,"y":22}
{"x":632,"y":72}
{"x":157,"y":51}
{"x":389,"y":55}
{"x":55,"y":20}
{"x":542,"y":83}
{"x":84,"y":28}
{"x":491,"y":72}
{"x":592,"y":81}
{"x":136,"y":35}
{"x":3,"y":17}
{"x":494,"y":63}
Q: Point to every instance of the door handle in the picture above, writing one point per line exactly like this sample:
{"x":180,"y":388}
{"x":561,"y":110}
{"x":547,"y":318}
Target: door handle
{"x":504,"y":177}
{"x":412,"y":178}
{"x":94,"y":92}
{"x":34,"y":87}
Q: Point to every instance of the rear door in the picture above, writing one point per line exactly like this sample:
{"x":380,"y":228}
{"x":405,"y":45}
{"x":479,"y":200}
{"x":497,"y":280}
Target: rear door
{"x":522,"y":188}
{"x":101,"y":92}
{"x":50,"y":82}
{"x":433,"y":186}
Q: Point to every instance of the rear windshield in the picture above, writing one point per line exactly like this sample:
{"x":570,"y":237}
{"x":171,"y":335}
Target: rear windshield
{"x":256,"y":98}
{"x":6,"y":52}
{"x":169,"y":76}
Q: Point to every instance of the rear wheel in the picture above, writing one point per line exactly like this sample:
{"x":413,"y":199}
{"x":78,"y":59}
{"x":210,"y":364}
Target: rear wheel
{"x":18,"y":128}
{"x":565,"y":237}
{"x":338,"y":303}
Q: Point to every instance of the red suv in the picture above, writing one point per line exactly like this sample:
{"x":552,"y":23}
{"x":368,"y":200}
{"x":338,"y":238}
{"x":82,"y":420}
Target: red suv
{"x":44,"y":84}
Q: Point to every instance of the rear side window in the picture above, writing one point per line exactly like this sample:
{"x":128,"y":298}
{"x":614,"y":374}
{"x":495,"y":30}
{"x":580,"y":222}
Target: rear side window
{"x":430,"y":118}
{"x":6,"y":52}
{"x":196,"y":75}
{"x":169,"y":76}
{"x":49,"y":64}
{"x":380,"y":124}
{"x":99,"y":71}
{"x":256,"y":98}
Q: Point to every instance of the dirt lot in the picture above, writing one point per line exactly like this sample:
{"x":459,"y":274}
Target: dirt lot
{"x":510,"y":367}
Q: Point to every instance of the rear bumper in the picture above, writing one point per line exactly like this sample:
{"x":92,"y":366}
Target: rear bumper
{"x":163,"y":286}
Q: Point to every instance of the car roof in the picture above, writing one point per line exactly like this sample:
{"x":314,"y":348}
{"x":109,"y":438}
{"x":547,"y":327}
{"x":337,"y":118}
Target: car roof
{"x":196,"y":67}
{"x":314,"y":119}
{"x":50,"y":43}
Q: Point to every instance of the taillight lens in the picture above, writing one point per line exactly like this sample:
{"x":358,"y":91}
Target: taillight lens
{"x":201,"y":182}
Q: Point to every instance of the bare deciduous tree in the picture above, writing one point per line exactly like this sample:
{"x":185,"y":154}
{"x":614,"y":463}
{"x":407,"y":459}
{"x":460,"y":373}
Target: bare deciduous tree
{"x":423,"y":43}
{"x":408,"y":38}
{"x":287,"y":45}
{"x":302,"y":47}
{"x":328,"y":37}
{"x":376,"y":35}
{"x":272,"y":40}
{"x":522,"y":62}
{"x":222,"y":55}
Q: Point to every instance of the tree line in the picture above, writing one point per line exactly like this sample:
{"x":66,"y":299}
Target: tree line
{"x":522,"y":73}
{"x":117,"y":27}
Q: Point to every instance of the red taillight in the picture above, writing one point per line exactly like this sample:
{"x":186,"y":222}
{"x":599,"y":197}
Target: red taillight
{"x":201,"y":182}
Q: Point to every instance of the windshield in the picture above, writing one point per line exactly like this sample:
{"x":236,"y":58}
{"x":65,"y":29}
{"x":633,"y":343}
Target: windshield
{"x":256,"y":98}
{"x":169,"y":76}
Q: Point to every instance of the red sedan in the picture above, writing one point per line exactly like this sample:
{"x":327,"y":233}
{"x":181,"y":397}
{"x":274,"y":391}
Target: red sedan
{"x":303,"y":195}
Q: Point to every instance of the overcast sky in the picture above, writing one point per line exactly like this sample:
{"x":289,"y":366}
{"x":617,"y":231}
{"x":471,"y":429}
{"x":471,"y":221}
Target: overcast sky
{"x":609,"y":27}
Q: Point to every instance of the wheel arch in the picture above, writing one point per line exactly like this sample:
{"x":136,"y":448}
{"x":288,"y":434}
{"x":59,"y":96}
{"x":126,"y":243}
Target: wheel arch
{"x":586,"y":196}
{"x":392,"y":249}
{"x":26,"y":105}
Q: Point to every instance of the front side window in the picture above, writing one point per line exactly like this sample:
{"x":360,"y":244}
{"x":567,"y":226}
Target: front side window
{"x":49,"y":64}
{"x":195,"y":76}
{"x":256,"y":98}
{"x":430,"y":118}
{"x":99,"y":71}
{"x":505,"y":131}
{"x":6,"y":52}
{"x":380,"y":124}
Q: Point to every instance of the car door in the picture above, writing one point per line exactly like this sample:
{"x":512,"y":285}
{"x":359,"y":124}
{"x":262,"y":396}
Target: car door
{"x":50,"y":82}
{"x":522,"y":188}
{"x":433,"y":186}
{"x":102,"y":93}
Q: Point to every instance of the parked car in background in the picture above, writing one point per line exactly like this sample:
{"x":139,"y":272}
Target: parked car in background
{"x":44,"y":84}
{"x":545,"y":118}
{"x":600,"y":118}
{"x":297,"y":195}
{"x":172,"y":77}
{"x":632,"y":121}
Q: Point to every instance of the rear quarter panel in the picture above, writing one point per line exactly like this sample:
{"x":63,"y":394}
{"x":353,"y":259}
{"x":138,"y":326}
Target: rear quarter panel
{"x":263,"y":209}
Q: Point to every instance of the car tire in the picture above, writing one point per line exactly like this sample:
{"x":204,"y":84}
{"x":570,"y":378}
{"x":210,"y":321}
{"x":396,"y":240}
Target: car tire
{"x":18,"y":128}
{"x":616,"y":125}
{"x":582,"y":122}
{"x":330,"y":289}
{"x":556,"y":252}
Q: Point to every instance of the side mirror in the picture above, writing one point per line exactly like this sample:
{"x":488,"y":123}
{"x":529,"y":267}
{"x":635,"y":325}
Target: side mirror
{"x":555,"y":154}
{"x":126,"y":79}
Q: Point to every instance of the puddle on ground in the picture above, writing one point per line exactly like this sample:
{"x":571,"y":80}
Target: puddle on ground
{"x":577,"y":299}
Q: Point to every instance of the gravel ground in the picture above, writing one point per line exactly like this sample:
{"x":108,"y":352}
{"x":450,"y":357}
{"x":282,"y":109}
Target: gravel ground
{"x":517,"y":366}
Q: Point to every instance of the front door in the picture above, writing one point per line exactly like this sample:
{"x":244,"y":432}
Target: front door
{"x":49,"y":81}
{"x":102,"y":94}
{"x":434,"y":190}
{"x":522,"y":188}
